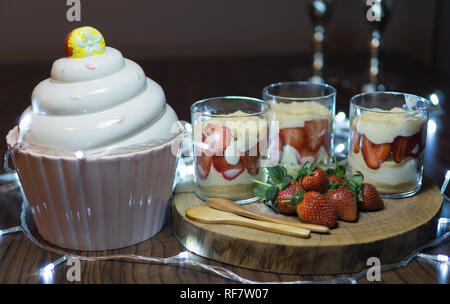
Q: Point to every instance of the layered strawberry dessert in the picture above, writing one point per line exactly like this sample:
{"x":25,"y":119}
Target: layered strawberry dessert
{"x":228,"y":151}
{"x":305,"y":130}
{"x":387,"y":147}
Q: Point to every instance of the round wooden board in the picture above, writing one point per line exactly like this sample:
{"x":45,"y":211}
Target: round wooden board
{"x":390,"y":234}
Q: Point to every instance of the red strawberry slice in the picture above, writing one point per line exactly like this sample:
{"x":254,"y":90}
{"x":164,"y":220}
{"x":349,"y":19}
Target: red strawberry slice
{"x":326,"y":143}
{"x":374,"y":154}
{"x":217,"y":138}
{"x":229,"y":172}
{"x":422,"y":138}
{"x":294,"y":137}
{"x":251,"y":163}
{"x":403,"y":146}
{"x":356,"y":141}
{"x":315,"y":132}
{"x":308,"y":155}
{"x":203,"y":165}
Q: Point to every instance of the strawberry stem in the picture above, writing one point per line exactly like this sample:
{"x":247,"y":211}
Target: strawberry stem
{"x":261,"y":183}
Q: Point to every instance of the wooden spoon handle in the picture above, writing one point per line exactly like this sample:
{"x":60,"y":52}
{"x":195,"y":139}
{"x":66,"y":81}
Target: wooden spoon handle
{"x":212,"y":216}
{"x":230,"y":206}
{"x":312,"y":227}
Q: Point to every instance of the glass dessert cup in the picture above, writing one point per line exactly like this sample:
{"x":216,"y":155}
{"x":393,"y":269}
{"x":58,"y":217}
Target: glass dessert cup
{"x":301,"y":122}
{"x":387,"y":141}
{"x":230,"y":136}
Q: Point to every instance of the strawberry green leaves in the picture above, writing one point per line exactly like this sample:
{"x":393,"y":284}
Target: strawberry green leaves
{"x":338,"y":171}
{"x":281,"y":192}
{"x":355,"y":184}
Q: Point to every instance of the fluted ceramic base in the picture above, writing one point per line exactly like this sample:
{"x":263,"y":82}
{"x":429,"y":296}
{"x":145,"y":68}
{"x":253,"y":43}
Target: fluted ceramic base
{"x":97,"y":204}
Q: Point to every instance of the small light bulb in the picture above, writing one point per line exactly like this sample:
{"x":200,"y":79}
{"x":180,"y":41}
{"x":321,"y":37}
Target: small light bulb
{"x":79,"y":154}
{"x":340,"y":148}
{"x":340,"y":116}
{"x":434,"y":98}
{"x":432,"y":126}
{"x":442,"y":258}
{"x":183,"y":255}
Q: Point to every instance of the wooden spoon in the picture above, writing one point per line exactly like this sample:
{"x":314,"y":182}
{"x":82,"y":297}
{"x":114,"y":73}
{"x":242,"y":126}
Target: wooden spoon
{"x":230,"y":206}
{"x":212,"y":216}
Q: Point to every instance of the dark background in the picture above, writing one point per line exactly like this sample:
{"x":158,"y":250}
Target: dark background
{"x":35,"y":30}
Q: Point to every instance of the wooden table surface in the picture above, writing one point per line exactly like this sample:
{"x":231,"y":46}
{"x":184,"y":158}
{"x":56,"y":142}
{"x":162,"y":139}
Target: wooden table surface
{"x":188,"y":80}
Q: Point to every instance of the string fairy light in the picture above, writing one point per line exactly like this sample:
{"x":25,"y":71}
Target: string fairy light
{"x":445,"y":184}
{"x":442,"y":258}
{"x":184,"y":258}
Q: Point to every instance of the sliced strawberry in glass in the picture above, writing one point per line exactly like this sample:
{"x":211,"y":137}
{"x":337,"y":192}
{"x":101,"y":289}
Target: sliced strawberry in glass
{"x":374,"y":154}
{"x":251,"y":163}
{"x":356,"y":141}
{"x":203,"y":166}
{"x":217,"y":138}
{"x":315,"y":132}
{"x":326,"y":143}
{"x":294,"y":137}
{"x":308,"y":155}
{"x":229,"y":172}
{"x":403,"y":146}
{"x":422,"y":138}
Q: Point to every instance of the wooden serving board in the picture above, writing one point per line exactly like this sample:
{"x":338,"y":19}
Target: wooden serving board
{"x":390,"y":234}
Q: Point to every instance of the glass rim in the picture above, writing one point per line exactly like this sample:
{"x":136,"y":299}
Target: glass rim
{"x":230,"y":98}
{"x":387,"y":93}
{"x":279,"y":84}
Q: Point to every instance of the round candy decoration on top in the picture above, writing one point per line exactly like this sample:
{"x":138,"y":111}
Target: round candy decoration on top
{"x":84,"y":42}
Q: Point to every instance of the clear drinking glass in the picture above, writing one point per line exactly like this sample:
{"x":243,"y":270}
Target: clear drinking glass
{"x":387,"y":139}
{"x":301,"y":122}
{"x":230,"y":138}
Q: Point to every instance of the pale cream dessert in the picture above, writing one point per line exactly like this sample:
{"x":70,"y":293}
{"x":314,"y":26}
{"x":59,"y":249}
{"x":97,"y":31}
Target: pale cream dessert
{"x":227,"y":154}
{"x":305,"y":130}
{"x":387,"y":147}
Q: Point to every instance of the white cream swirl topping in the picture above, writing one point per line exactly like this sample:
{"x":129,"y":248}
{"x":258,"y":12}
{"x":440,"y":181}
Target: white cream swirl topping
{"x":102,"y":101}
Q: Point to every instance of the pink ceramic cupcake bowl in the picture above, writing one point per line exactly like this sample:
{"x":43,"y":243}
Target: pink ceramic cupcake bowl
{"x":104,"y":203}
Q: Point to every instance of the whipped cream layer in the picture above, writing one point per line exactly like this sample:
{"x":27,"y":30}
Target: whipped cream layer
{"x":246,"y":130}
{"x":296,"y":113}
{"x":390,"y":173}
{"x":97,"y":102}
{"x":385,"y":126}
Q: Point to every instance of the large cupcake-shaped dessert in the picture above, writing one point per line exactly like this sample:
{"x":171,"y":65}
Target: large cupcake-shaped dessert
{"x":96,"y":151}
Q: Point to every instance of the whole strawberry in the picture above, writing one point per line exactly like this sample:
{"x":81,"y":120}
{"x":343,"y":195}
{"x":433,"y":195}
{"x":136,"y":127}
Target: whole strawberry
{"x":337,"y":174}
{"x":371,"y":200}
{"x":366,"y":194}
{"x":313,"y":178}
{"x":281,"y":193}
{"x":284,"y":202}
{"x":344,"y":202}
{"x":315,"y":209}
{"x":336,"y":179}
